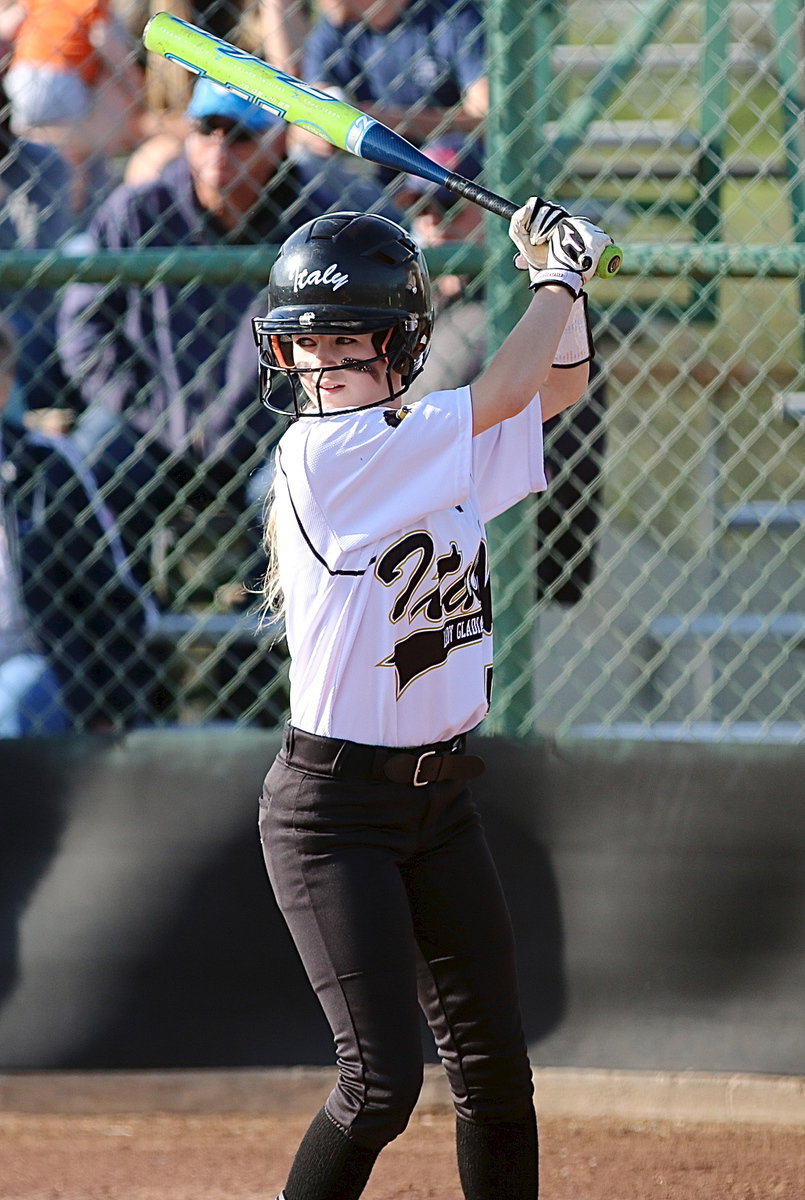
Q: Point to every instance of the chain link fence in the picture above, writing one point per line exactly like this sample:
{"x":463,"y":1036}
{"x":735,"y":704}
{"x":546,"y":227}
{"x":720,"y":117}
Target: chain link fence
{"x":655,"y":588}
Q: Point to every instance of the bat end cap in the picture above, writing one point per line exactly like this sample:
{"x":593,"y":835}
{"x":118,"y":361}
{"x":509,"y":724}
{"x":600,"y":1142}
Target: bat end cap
{"x":611,"y":261}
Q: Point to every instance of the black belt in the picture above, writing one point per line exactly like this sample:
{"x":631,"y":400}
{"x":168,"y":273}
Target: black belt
{"x":416,"y":765}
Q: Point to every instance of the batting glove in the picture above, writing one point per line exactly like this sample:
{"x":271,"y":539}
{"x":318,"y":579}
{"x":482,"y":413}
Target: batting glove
{"x":574,"y":249}
{"x":531,"y":226}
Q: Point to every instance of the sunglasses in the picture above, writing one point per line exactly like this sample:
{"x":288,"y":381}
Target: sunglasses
{"x":232,"y":130}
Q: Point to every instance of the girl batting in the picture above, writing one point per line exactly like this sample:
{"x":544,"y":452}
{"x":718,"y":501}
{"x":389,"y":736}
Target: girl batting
{"x":378,"y":558}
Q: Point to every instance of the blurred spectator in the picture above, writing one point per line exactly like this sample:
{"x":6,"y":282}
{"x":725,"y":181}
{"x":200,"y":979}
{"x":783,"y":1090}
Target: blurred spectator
{"x":338,"y":176}
{"x":167,"y":371}
{"x":34,"y":215}
{"x":282,"y":28}
{"x":284,"y":25}
{"x":72,"y":620}
{"x":568,"y":513}
{"x":29,"y":692}
{"x":415,"y":65}
{"x":74,"y":82}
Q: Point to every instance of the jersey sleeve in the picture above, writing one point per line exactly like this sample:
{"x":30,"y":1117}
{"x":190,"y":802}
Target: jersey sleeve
{"x":354,"y":480}
{"x":508,"y":461}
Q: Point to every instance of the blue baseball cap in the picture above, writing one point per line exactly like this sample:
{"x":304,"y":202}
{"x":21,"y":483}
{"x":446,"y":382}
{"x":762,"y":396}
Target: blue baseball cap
{"x":211,"y":99}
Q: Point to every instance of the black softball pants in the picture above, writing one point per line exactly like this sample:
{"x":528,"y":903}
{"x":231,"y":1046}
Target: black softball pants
{"x":393,"y":902}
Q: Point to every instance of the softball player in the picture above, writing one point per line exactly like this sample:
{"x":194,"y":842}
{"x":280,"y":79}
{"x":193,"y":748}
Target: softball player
{"x":376,"y":545}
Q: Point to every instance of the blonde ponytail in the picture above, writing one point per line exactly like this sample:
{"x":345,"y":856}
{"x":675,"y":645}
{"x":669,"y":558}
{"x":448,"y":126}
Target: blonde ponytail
{"x":273,"y":603}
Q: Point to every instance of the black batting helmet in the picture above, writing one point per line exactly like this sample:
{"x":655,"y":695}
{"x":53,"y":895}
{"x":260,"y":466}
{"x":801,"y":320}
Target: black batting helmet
{"x":346,"y":272}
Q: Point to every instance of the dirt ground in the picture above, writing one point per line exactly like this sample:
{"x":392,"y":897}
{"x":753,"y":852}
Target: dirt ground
{"x":172,"y":1156}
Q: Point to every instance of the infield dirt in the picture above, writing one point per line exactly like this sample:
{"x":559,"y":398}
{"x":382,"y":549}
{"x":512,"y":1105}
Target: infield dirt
{"x":112,"y":1154}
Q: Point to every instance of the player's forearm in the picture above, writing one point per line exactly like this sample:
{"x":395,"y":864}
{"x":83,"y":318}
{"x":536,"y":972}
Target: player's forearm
{"x":563,"y":387}
{"x":283,"y":28}
{"x":523,"y":363}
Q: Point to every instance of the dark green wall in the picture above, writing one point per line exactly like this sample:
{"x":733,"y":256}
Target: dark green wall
{"x":656,"y":888}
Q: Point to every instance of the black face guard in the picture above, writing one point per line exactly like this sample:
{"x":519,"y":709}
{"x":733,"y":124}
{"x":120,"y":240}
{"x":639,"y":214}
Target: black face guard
{"x":270,"y":369}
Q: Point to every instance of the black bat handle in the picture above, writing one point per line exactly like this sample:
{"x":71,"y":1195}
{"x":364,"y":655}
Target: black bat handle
{"x":609,"y":262}
{"x":480,"y":195}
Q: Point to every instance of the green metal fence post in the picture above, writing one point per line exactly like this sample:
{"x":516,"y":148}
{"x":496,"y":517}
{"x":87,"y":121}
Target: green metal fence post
{"x":714,"y":85}
{"x":788,"y":27}
{"x":513,"y":130}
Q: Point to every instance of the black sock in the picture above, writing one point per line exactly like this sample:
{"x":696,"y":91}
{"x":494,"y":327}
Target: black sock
{"x":498,"y":1161}
{"x":328,"y":1165}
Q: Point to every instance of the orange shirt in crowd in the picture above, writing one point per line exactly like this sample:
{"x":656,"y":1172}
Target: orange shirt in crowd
{"x":56,"y":34}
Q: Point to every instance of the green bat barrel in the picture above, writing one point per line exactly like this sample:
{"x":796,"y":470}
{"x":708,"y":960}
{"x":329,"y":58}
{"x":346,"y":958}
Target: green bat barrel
{"x":282,"y":94}
{"x":296,"y":102}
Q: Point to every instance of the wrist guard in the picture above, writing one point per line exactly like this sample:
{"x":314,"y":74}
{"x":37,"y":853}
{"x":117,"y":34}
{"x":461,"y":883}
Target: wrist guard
{"x":576,"y":343}
{"x":572,"y":280}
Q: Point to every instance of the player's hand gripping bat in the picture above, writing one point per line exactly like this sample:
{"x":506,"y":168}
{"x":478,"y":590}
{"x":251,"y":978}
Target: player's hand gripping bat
{"x":300,"y":104}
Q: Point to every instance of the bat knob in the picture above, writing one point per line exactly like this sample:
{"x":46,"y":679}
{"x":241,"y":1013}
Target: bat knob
{"x":610,"y":261}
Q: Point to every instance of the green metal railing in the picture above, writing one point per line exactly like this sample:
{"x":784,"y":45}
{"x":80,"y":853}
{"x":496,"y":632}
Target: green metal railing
{"x":651,"y":260}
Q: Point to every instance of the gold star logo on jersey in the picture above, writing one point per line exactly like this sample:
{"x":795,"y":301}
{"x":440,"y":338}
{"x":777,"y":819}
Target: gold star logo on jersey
{"x":395,"y":418}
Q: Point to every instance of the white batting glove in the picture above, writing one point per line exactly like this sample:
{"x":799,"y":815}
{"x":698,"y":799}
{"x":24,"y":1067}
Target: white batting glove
{"x":574,"y":248}
{"x":531,"y":226}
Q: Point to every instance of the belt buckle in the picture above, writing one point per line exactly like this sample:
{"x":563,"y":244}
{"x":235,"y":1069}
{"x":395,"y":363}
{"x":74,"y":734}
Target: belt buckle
{"x":417,"y":782}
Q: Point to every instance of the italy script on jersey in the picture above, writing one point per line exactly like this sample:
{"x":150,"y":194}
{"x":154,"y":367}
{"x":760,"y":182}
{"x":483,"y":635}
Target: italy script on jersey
{"x":385,"y":567}
{"x":456,"y":600}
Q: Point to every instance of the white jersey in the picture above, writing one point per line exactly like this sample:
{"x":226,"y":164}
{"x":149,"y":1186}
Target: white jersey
{"x":384,"y":563}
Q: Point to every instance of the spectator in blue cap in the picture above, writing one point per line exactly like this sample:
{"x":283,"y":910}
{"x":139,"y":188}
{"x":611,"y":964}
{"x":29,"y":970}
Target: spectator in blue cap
{"x":211,"y":106}
{"x":172,"y":422}
{"x":213,"y":100}
{"x":234,"y":149}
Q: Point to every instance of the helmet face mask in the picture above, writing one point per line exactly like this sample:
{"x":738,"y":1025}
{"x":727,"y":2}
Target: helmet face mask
{"x":346,"y":273}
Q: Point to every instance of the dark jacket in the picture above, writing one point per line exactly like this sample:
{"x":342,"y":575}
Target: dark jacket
{"x":34,"y":215}
{"x":87,"y":614}
{"x":175,"y":360}
{"x":428,"y":57}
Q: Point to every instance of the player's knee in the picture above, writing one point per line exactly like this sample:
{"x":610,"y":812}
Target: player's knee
{"x":381,"y":1110}
{"x":499,"y":1090}
{"x":390,"y":1102}
{"x":395,"y":1114}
